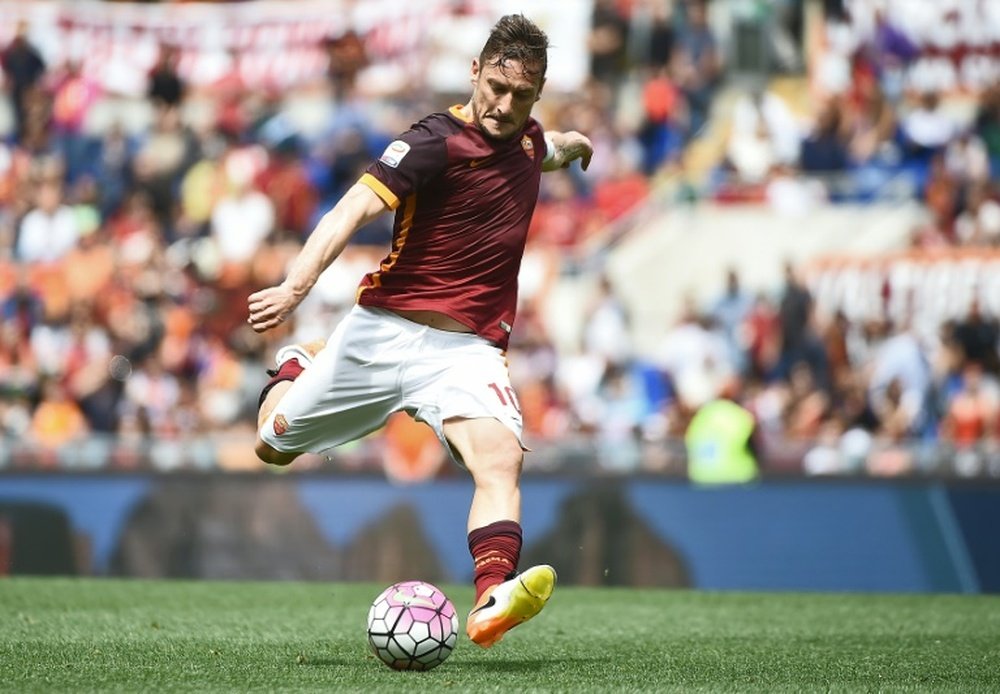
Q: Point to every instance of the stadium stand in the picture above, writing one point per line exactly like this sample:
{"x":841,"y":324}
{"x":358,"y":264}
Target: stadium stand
{"x":147,"y":186}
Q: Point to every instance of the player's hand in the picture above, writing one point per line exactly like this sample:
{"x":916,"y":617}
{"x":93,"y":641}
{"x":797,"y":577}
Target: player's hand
{"x":270,"y":307}
{"x":569,"y":146}
{"x":576,"y":146}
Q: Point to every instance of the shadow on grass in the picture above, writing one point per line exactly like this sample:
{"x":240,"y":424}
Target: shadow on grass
{"x":332,"y":662}
{"x":471,"y":667}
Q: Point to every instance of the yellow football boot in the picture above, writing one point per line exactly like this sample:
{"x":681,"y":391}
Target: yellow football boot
{"x":504,"y":606}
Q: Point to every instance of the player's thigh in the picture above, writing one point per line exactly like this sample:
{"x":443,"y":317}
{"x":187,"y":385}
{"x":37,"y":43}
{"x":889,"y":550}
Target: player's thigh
{"x":348,"y":391}
{"x":466,"y":385}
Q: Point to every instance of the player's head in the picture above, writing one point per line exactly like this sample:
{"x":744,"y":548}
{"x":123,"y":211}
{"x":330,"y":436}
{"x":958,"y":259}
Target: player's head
{"x":508,"y":76}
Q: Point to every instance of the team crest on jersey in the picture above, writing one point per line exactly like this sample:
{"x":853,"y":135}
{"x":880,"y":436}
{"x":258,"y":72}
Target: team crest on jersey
{"x":528,"y":146}
{"x":394,"y":153}
{"x":280,"y":425}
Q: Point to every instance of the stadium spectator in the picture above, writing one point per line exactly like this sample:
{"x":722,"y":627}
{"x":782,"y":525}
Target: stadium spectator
{"x":608,"y":41}
{"x":620,"y":409}
{"x":651,"y":34}
{"x":24,"y":68}
{"x":764,"y":134}
{"x":890,"y":455}
{"x":49,"y":231}
{"x":56,"y":423}
{"x":665,"y":121}
{"x":978,"y":224}
{"x":113,"y":168}
{"x":606,"y":332}
{"x":799,"y":341}
{"x":978,"y":337}
{"x":763,"y":328}
{"x":970,"y":415}
{"x":18,"y":364}
{"x":927,"y":127}
{"x":154,"y":391}
{"x":825,"y":148}
{"x":730,"y":311}
{"x":166,"y":88}
{"x":986,"y":123}
{"x":941,"y":194}
{"x":23,"y":307}
{"x":347,"y":59}
{"x":721,"y":439}
{"x":161,"y":157}
{"x":899,"y":383}
{"x":694,"y":352}
{"x":697,"y":63}
{"x":873,"y":128}
{"x":243,"y":217}
{"x":807,"y":404}
{"x":966,"y":158}
{"x":73,"y":95}
{"x":286,"y":182}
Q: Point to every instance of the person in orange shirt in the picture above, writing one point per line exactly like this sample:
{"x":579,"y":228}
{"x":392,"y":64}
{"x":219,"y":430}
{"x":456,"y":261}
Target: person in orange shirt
{"x":57,"y":422}
{"x":971,"y":413}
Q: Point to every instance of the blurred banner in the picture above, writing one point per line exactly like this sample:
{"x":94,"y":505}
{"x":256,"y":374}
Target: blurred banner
{"x":829,"y":535}
{"x":276,"y":44}
{"x":923,"y":287}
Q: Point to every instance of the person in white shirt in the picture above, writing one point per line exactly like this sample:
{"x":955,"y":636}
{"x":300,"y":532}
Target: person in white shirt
{"x":49,"y":231}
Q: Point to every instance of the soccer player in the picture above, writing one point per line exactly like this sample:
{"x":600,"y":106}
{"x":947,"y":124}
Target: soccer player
{"x":431,"y":324}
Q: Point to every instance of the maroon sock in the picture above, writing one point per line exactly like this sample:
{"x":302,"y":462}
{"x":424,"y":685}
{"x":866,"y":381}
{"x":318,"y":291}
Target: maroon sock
{"x":495,"y":551}
{"x":288,"y":371}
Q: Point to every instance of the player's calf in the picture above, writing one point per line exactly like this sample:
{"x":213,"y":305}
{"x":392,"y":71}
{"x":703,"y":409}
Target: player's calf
{"x":274,"y":457}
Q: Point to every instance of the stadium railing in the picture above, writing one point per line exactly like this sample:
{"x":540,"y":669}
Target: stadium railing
{"x":574,"y":455}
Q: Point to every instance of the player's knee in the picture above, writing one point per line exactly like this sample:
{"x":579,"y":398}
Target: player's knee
{"x":271,"y":456}
{"x":501,"y":465}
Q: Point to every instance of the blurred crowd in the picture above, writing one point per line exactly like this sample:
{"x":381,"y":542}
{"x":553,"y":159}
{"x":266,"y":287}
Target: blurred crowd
{"x":881,"y":394}
{"x":862,"y":134}
{"x":126,"y":258}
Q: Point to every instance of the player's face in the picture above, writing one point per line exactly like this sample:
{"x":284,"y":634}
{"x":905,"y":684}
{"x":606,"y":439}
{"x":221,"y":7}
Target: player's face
{"x":502,"y":97}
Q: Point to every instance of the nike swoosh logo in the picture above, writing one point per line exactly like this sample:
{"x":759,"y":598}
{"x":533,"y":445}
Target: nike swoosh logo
{"x":489,"y":603}
{"x":474,"y":163}
{"x":402,"y":597}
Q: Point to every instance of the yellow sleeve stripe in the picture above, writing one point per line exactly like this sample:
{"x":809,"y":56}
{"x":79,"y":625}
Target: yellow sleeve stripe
{"x":388,"y":197}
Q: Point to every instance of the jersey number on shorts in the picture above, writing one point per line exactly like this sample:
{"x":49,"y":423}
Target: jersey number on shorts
{"x":510,"y":397}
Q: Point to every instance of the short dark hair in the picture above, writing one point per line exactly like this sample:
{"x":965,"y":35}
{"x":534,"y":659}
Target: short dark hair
{"x":515,"y":37}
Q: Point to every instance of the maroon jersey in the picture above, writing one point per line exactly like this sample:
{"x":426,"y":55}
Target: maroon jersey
{"x":463,"y":203}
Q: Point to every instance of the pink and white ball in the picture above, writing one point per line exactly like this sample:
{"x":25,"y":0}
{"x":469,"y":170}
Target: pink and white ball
{"x":412,"y":626}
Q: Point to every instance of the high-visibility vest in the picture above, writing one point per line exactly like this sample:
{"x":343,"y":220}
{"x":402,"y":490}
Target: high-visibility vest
{"x":716,"y":441}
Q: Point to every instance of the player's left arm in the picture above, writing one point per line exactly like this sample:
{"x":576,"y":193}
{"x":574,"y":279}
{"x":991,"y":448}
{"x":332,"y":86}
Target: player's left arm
{"x":564,"y":148}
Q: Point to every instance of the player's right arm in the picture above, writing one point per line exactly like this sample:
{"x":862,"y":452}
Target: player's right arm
{"x":359,"y":206}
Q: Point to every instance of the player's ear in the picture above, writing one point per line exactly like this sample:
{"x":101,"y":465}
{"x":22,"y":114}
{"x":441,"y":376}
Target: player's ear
{"x":540,"y":87}
{"x":474,"y":73}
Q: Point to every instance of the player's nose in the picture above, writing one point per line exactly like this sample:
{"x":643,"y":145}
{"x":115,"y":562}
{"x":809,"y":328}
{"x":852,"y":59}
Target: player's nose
{"x":504,"y":104}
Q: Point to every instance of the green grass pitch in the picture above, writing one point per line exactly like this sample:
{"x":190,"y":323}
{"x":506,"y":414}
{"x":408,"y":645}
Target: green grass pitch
{"x":140,"y":636}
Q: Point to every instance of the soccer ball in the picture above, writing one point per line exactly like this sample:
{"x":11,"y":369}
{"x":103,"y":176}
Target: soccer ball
{"x":412,"y":626}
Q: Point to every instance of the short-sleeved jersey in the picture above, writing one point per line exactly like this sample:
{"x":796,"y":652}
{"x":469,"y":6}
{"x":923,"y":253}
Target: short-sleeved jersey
{"x":463,"y":203}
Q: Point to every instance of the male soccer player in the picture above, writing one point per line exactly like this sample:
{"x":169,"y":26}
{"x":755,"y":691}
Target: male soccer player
{"x":431,"y":323}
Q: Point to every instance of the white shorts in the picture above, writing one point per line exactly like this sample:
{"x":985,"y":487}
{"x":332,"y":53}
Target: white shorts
{"x":376,"y":363}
